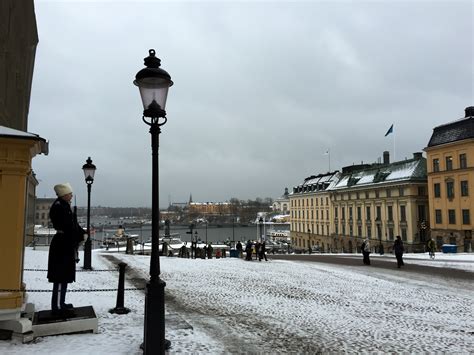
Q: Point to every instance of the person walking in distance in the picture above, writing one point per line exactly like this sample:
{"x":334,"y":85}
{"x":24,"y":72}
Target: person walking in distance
{"x":261,"y":253}
{"x":62,"y":251}
{"x":398,"y":249}
{"x":365,"y":248}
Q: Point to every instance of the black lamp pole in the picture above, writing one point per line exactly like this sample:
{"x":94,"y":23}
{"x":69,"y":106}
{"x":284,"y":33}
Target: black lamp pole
{"x":260,"y":222}
{"x":233,"y":234}
{"x":89,"y":170}
{"x":154,"y":83}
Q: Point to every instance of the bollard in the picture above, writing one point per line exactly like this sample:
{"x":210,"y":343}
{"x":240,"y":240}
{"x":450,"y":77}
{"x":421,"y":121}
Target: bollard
{"x":129,"y":249}
{"x":119,"y":308}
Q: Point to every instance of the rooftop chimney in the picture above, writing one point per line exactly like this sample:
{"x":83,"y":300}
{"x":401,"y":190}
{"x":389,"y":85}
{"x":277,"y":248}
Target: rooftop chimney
{"x":417,"y":155}
{"x":386,"y":157}
{"x":469,"y":111}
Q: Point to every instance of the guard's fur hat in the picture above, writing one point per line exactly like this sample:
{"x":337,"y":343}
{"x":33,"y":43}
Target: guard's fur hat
{"x":63,"y":189}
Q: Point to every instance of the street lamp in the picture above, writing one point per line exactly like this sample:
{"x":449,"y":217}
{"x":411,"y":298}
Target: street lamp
{"x":89,"y":171}
{"x":154,"y":83}
{"x":260,"y":223}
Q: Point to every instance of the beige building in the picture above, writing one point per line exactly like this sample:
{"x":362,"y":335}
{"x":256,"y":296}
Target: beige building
{"x":450,"y":155}
{"x":282,"y":204}
{"x":378,"y":202}
{"x":42,"y":211}
{"x":310,"y":212}
{"x":336,"y":211}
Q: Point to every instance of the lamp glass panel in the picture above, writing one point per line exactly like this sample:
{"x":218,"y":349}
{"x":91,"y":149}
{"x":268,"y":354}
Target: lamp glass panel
{"x":89,"y":172}
{"x":153,"y":89}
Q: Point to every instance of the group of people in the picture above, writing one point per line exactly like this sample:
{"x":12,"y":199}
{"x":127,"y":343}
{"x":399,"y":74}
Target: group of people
{"x":260,"y":250}
{"x":199,"y":253}
{"x":398,"y":249}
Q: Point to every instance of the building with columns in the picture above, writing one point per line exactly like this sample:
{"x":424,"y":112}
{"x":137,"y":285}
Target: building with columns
{"x":334,"y":212}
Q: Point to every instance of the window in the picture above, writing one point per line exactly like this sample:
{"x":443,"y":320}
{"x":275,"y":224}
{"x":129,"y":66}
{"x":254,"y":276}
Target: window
{"x":366,"y":194}
{"x":403,"y":214}
{"x":421,"y":213}
{"x":438,"y":218}
{"x":390,"y":213}
{"x":435,"y":165}
{"x":390,"y":233}
{"x":404,"y":234}
{"x":462,"y":161}
{"x":450,"y":189}
{"x":343,"y":213}
{"x":350,"y":212}
{"x":379,"y":231}
{"x":351,"y":230}
{"x":327,"y":200}
{"x":449,"y":163}
{"x":437,"y":190}
{"x":343,"y":229}
{"x":451,"y":216}
{"x":359,"y":213}
{"x":465,"y":217}
{"x":311,"y":202}
{"x":302,"y":203}
{"x":359,"y":231}
{"x":389,"y":193}
{"x":401,"y":191}
{"x":464,"y":188}
{"x":421,"y":191}
{"x":376,"y":194}
{"x":369,"y":232}
{"x":378,"y":212}
{"x":367,"y":212}
{"x":336,"y":215}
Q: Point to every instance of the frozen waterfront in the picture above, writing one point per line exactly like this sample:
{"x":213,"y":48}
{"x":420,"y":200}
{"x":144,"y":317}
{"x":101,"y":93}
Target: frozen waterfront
{"x":275,"y":307}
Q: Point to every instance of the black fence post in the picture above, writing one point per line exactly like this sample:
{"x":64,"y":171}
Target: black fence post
{"x":119,"y":308}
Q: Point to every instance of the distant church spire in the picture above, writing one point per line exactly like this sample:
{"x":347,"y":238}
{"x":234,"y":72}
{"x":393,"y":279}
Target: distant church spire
{"x":190,"y":198}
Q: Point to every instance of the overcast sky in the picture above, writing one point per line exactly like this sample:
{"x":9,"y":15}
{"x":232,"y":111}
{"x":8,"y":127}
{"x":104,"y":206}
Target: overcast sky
{"x":261,"y":91}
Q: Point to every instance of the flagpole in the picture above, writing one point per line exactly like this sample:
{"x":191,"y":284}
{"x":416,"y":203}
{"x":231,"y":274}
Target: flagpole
{"x":329,"y":159}
{"x":394,"y":155}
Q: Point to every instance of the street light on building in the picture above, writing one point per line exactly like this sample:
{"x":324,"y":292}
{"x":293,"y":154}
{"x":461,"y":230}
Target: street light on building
{"x":89,"y":171}
{"x":154,"y":83}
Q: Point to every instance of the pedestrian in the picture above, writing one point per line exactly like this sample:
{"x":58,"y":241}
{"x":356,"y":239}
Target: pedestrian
{"x":209,"y":251}
{"x":261,"y":253}
{"x":62,"y":250}
{"x":248,"y":251}
{"x":257,"y":249}
{"x":431,"y":245}
{"x":365,"y":248}
{"x":398,"y":249}
{"x":239,"y":248}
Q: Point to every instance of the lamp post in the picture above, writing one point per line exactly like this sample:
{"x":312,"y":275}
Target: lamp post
{"x":89,"y":171}
{"x":260,"y":223}
{"x":154,"y":83}
{"x":233,"y":234}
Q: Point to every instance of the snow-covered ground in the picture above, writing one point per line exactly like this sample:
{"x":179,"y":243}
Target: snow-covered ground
{"x":236,"y":306}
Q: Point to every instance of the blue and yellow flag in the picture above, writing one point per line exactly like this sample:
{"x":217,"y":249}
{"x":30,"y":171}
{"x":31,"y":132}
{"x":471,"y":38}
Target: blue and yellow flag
{"x":390,"y":130}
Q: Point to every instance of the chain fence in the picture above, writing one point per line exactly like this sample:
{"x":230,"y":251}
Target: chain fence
{"x":77,"y":290}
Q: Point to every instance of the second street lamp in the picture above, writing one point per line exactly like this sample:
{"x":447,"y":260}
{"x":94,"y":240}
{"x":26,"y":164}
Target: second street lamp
{"x":154,"y":83}
{"x":89,"y":171}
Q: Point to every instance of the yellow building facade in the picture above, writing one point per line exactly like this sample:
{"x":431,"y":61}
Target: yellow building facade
{"x":334,"y":212}
{"x":310,"y":213}
{"x":17,"y":149}
{"x":450,"y":156}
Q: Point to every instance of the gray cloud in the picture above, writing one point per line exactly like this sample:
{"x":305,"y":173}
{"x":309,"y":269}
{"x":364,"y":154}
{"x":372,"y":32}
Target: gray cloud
{"x":261,"y":91}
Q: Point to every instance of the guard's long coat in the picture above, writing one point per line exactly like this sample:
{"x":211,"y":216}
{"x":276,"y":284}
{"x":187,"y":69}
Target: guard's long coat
{"x":62,"y":251}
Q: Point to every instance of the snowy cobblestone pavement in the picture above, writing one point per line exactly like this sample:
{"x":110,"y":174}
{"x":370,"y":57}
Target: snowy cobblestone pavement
{"x":236,"y":306}
{"x":283,"y":306}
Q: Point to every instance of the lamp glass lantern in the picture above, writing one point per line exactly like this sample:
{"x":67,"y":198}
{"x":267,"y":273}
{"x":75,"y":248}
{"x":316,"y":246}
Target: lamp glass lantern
{"x":153,"y":83}
{"x":89,"y":170}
